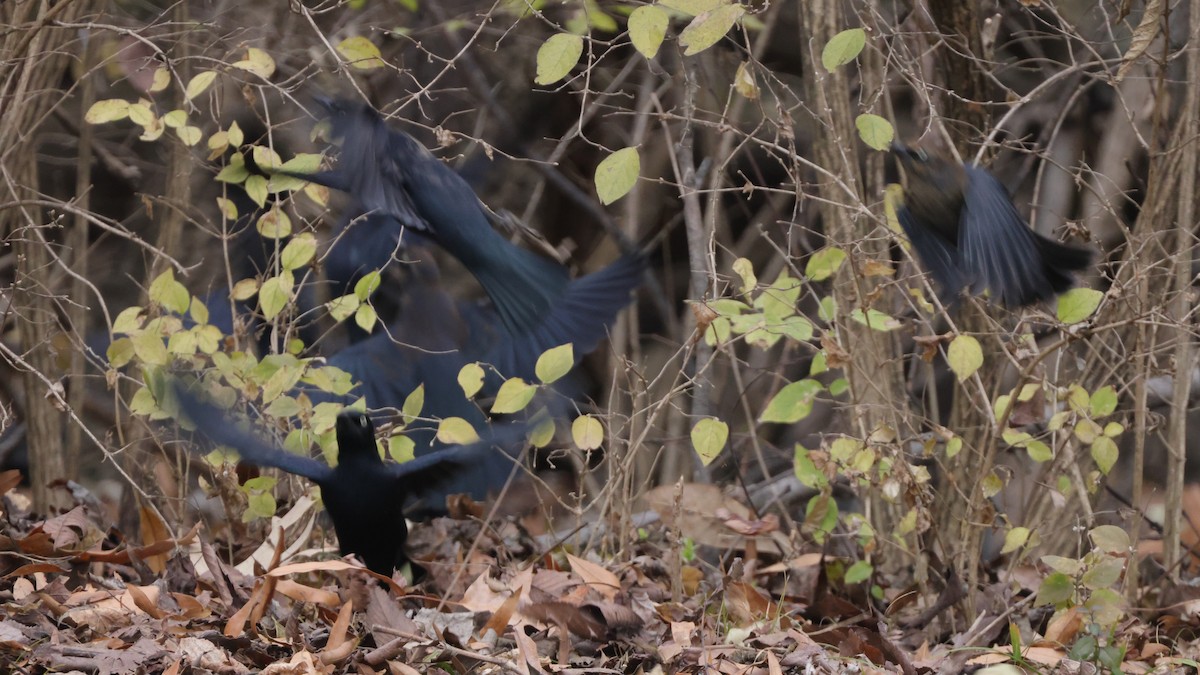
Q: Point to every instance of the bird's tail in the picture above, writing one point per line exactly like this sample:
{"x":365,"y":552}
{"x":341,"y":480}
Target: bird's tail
{"x":1060,"y":260}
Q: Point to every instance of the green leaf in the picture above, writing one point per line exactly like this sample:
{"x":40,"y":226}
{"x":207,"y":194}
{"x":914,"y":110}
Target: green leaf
{"x":470,"y":378}
{"x":275,"y":294}
{"x":149,"y":347}
{"x":456,"y":431}
{"x":1078,"y":304}
{"x":708,"y":438}
{"x":1103,"y":402}
{"x":365,"y":317}
{"x":709,"y":27}
{"x":143,"y":403}
{"x":745,"y":269}
{"x":858,"y":572}
{"x":617,"y":174}
{"x":364,"y":287}
{"x":793,"y":403}
{"x":1110,"y":539}
{"x":806,"y":471}
{"x":302,"y":163}
{"x":647,"y":28}
{"x":875,"y":131}
{"x":965,"y":356}
{"x":1103,"y":574}
{"x":257,"y":62}
{"x":274,"y":224}
{"x":1014,"y":539}
{"x":513,"y":396}
{"x":298,"y":252}
{"x":542,"y":433}
{"x":199,"y":83}
{"x":341,"y":308}
{"x":256,"y":188}
{"x":587,"y":432}
{"x":401,"y":448}
{"x":235,"y":172}
{"x":130,"y":320}
{"x":108,"y":110}
{"x":1039,"y":451}
{"x":843,"y":48}
{"x":557,"y":56}
{"x":554,"y":363}
{"x":360,"y":52}
{"x":168,"y":293}
{"x":120,"y":352}
{"x":875,"y":319}
{"x":1105,"y":453}
{"x":413,"y":404}
{"x":822,"y":264}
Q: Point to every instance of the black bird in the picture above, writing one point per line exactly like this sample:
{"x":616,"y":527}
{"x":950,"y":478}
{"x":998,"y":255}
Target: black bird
{"x":435,"y":336}
{"x":967,"y":233}
{"x":363,"y":494}
{"x":398,"y":183}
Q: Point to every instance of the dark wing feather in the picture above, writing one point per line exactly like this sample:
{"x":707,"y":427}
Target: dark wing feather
{"x":939,"y":256}
{"x":215,"y":424}
{"x":432,"y":471}
{"x":997,"y":244}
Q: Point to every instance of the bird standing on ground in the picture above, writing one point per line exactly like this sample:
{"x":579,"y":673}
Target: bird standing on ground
{"x":363,"y":494}
{"x":967,"y":233}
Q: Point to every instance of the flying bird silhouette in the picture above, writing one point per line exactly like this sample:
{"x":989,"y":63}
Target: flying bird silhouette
{"x":967,"y":233}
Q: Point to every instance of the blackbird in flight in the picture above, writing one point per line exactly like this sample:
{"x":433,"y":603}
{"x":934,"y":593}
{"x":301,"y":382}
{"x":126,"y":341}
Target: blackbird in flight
{"x":400,"y":185}
{"x":967,"y":233}
{"x":363,"y":494}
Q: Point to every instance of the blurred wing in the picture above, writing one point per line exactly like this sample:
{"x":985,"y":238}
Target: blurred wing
{"x":215,"y":424}
{"x":939,"y":256}
{"x":433,"y":471}
{"x":998,"y":245}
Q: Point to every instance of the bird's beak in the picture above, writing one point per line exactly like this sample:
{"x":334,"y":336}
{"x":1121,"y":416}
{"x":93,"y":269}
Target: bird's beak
{"x":899,"y":148}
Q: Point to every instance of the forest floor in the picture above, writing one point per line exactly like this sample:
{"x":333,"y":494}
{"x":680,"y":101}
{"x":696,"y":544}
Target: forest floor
{"x":78,"y":598}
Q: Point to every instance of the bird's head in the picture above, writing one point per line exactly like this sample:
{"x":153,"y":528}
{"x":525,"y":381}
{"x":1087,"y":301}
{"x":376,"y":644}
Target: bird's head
{"x":355,"y":434}
{"x":925,"y":169}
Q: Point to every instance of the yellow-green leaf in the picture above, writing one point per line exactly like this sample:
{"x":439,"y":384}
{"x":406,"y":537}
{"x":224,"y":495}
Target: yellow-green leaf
{"x":120,"y":352}
{"x":554,"y":363}
{"x":875,"y":131}
{"x":875,"y":319}
{"x":1014,"y":539}
{"x":274,"y":295}
{"x":647,"y":28}
{"x":708,"y":27}
{"x":108,"y":110}
{"x":456,"y":431}
{"x":299,"y":251}
{"x":141,"y":115}
{"x":364,"y":287}
{"x":149,"y":347}
{"x":199,"y":83}
{"x":245,"y":289}
{"x":361,"y":53}
{"x":1103,"y":402}
{"x":513,"y":396}
{"x":413,"y":403}
{"x":169,"y":293}
{"x":274,"y":224}
{"x":188,"y":134}
{"x":365,"y":317}
{"x":1078,"y":304}
{"x":401,"y":448}
{"x":617,"y":174}
{"x":587,"y":432}
{"x":744,"y":82}
{"x":843,"y":48}
{"x":965,"y":356}
{"x":745,"y":269}
{"x":234,"y":172}
{"x":470,"y":378}
{"x":693,"y":7}
{"x":822,"y":264}
{"x":129,"y":320}
{"x":1104,"y":452}
{"x":266,"y":158}
{"x":256,"y":188}
{"x":708,"y":438}
{"x":199,"y":311}
{"x":542,"y":434}
{"x":557,"y":56}
{"x":793,"y":403}
{"x":258,"y":62}
{"x":341,"y":308}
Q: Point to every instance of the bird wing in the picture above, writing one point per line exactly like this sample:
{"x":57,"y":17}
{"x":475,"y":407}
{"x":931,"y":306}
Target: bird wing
{"x":215,"y":424}
{"x":997,"y":244}
{"x":432,"y":471}
{"x":938,"y":256}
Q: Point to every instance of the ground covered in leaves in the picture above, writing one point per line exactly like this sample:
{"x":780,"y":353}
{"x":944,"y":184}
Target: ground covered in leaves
{"x":77,"y":597}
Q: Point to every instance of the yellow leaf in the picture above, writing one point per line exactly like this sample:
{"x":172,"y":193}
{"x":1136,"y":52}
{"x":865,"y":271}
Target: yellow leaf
{"x":258,"y":62}
{"x":965,"y":356}
{"x":587,"y":432}
{"x":199,"y":83}
{"x":617,"y":174}
{"x":557,"y":56}
{"x":361,"y":53}
{"x":456,"y":431}
{"x":709,"y":27}
{"x":647,"y":28}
